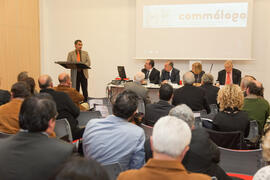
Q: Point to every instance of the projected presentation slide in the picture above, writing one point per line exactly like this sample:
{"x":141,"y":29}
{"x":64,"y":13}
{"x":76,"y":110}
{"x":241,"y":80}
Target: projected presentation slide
{"x":196,"y":15}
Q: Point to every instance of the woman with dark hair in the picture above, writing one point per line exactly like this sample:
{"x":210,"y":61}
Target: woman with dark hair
{"x":78,"y":168}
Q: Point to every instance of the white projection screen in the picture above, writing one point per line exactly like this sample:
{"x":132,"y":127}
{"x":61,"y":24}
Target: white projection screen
{"x":194,"y":29}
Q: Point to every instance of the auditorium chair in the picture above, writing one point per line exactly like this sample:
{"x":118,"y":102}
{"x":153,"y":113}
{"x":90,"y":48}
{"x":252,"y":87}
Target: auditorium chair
{"x":246,"y":162}
{"x":85,"y":116}
{"x":62,"y":130}
{"x":148,"y":130}
{"x":4,"y":135}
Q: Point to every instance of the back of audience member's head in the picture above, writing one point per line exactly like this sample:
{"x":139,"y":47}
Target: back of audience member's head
{"x":78,"y":168}
{"x":230,"y":96}
{"x":165,"y":92}
{"x":31,"y":83}
{"x":171,"y":137}
{"x":207,"y":78}
{"x":255,"y":88}
{"x":20,"y":90}
{"x":22,"y":76}
{"x":45,"y":81}
{"x":139,"y":77}
{"x":185,"y":113}
{"x":63,"y":78}
{"x":38,"y":113}
{"x":188,"y":78}
{"x":245,"y":81}
{"x":125,"y":104}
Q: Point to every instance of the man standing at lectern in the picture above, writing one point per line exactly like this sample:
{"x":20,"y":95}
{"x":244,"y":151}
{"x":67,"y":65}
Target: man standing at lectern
{"x":82,"y":74}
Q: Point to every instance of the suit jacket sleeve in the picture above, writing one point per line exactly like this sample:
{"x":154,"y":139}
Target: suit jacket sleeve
{"x":73,"y":109}
{"x":219,"y":77}
{"x":177,"y":77}
{"x":88,"y":61}
{"x":162,"y":76}
{"x":239,"y":77}
{"x":157,"y":77}
{"x":214,"y":151}
{"x":69,"y":58}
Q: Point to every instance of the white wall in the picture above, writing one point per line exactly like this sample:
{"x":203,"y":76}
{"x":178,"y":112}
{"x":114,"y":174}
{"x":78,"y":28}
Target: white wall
{"x":107,"y":29}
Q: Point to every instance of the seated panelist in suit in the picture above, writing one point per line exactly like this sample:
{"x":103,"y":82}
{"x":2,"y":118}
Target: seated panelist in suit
{"x":151,"y":73}
{"x":229,"y":75}
{"x":169,"y":73}
{"x":197,"y":72}
{"x":31,"y":153}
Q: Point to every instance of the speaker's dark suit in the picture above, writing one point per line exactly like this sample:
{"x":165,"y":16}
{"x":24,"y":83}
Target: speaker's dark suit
{"x":32,"y":156}
{"x":175,"y":76}
{"x":192,"y":96}
{"x":155,"y":111}
{"x":236,"y":76}
{"x":154,"y":76}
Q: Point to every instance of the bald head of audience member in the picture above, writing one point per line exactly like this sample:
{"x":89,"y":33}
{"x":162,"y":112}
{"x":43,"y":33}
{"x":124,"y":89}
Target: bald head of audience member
{"x":64,"y":79}
{"x":45,"y":81}
{"x":139,"y":77}
{"x":255,"y":88}
{"x":245,"y":81}
{"x":188,"y":78}
{"x":171,"y":138}
{"x":228,"y":66}
{"x":168,"y":66}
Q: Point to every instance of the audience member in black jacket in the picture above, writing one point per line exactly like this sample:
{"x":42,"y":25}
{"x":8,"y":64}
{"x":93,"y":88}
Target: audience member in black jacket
{"x":151,"y":73}
{"x":192,"y":96}
{"x":211,"y":91}
{"x":4,"y":97}
{"x":203,"y":155}
{"x":65,"y":107}
{"x":231,"y":118}
{"x":155,"y":111}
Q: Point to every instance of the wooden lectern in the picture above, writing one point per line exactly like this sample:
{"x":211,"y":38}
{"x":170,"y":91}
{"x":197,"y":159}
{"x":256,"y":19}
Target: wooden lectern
{"x":73,"y":66}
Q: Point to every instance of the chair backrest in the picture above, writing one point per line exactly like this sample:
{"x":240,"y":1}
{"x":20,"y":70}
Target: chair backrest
{"x":197,"y":116}
{"x":207,"y":123}
{"x":4,"y":135}
{"x":213,"y":108}
{"x":62,"y":129}
{"x":241,"y":161}
{"x":141,"y":106}
{"x":85,"y":116}
{"x":113,"y":170}
{"x":231,"y":140}
{"x":253,"y":131}
{"x":148,"y":130}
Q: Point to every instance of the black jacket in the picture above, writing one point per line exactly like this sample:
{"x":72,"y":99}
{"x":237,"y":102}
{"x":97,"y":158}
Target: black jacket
{"x":211,"y":93}
{"x":192,"y":96}
{"x":4,"y":97}
{"x":28,"y":156}
{"x":155,"y":111}
{"x":65,"y":108}
{"x":236,"y":76}
{"x":154,"y":77}
{"x":203,"y":155}
{"x":175,"y":76}
{"x":227,"y":122}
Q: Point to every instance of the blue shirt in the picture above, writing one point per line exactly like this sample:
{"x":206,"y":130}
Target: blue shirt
{"x":112,"y":140}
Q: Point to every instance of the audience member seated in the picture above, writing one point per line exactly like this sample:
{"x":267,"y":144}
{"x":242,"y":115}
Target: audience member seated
{"x":31,"y":83}
{"x":155,"y":111}
{"x":244,"y":83}
{"x":9,"y":112}
{"x":231,"y":117}
{"x":137,"y":87}
{"x":197,"y":72}
{"x":170,"y":143}
{"x":210,"y":90}
{"x":65,"y":107}
{"x":203,"y":155}
{"x":78,"y":168}
{"x":31,"y":154}
{"x":190,"y":95}
{"x":229,"y":75}
{"x":22,"y":76}
{"x":151,"y":73}
{"x":170,"y":74}
{"x":114,"y":139}
{"x":4,"y":96}
{"x":66,"y":86}
{"x":255,"y":105}
{"x":264,"y":173}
